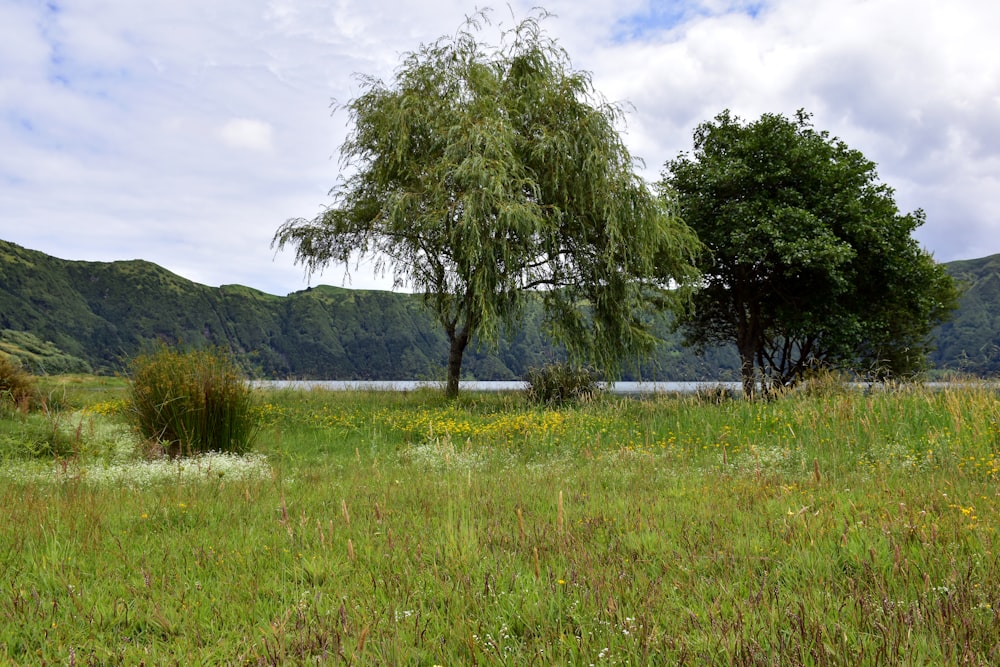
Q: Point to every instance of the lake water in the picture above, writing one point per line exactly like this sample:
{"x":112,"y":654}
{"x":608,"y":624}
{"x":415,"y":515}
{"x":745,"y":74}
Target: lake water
{"x":623,"y":388}
{"x":620,"y":388}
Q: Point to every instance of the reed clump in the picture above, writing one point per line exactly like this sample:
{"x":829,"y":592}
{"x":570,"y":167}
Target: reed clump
{"x":558,"y":383}
{"x":191,"y":402}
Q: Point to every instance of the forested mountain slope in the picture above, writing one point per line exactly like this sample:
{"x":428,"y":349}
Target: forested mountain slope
{"x":61,"y":315}
{"x":69,"y":316}
{"x":970,"y":342}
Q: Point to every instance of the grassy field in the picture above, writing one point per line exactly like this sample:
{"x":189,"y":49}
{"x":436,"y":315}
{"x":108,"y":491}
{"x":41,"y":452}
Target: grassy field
{"x":827,"y":527}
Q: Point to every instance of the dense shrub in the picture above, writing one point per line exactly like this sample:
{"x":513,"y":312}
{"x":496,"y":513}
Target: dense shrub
{"x":17,"y":387}
{"x":191,"y":402}
{"x":560,"y":382}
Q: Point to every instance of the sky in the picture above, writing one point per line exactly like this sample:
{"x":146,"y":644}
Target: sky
{"x":186,"y":132}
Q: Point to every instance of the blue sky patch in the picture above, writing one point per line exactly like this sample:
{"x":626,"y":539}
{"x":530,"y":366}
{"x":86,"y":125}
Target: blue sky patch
{"x":661,"y":17}
{"x":657,"y":18}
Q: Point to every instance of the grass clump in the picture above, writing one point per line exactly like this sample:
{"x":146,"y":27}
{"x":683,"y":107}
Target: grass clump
{"x":18,"y":388}
{"x":191,"y":402}
{"x":557,"y":383}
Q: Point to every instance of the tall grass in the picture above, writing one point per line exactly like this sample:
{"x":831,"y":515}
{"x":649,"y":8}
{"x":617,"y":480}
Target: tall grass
{"x":829,"y":529}
{"x":191,"y":402}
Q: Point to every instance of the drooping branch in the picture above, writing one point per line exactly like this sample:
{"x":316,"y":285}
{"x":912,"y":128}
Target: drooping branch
{"x":482,"y":174}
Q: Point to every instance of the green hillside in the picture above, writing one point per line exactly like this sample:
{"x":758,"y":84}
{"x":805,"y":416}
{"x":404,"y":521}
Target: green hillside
{"x":970,"y":342}
{"x":95,"y":315}
{"x":69,"y":316}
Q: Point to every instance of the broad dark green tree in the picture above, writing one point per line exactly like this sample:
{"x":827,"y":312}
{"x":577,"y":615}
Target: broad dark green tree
{"x":808,"y":261}
{"x":480,"y":174}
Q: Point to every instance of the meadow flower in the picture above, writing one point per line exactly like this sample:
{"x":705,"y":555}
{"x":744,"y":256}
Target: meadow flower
{"x":143,"y":473}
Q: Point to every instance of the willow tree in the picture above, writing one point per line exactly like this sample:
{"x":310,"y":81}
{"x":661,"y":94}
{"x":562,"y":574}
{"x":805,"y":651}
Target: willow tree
{"x":481,"y":174}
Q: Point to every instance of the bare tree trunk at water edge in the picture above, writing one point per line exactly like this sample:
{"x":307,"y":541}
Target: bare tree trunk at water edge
{"x":458,"y":342}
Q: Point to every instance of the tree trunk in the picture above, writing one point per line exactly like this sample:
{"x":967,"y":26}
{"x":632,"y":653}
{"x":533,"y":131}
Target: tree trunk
{"x":747,"y":370}
{"x":749,"y":343}
{"x":458,"y":343}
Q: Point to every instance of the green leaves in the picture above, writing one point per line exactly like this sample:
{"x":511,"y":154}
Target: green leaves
{"x":810,"y":262}
{"x":484,"y":172}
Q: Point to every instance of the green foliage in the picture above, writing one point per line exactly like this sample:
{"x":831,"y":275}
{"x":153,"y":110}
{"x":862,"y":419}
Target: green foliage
{"x":192,"y":402}
{"x":482,"y":173}
{"x":808,"y":262}
{"x":557,"y":383}
{"x":34,"y":435}
{"x":40,"y":417}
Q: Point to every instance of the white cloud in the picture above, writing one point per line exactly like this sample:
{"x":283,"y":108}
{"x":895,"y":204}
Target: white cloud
{"x":914,"y":85}
{"x":247,"y":133}
{"x":186,"y":132}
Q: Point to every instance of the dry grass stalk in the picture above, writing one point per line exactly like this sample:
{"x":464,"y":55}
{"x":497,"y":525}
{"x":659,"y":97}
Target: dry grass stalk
{"x":560,"y":518}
